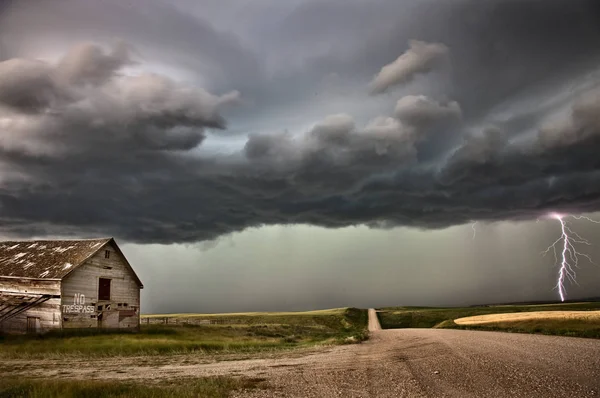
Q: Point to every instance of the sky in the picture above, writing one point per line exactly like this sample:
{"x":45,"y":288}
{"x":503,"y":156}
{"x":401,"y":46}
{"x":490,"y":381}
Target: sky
{"x":269,"y":155}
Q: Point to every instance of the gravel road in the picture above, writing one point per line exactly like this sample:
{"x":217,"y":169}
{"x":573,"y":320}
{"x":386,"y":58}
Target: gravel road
{"x":392,"y":363}
{"x":373,"y":321}
{"x":444,"y":363}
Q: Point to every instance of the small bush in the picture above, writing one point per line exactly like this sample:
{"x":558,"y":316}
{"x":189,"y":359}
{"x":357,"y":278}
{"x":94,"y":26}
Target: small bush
{"x":291,"y":339}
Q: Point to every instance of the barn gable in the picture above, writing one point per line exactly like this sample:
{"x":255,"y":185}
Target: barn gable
{"x":102,"y":292}
{"x":55,"y":284}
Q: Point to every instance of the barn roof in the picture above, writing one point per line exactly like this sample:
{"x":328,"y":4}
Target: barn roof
{"x":46,"y":259}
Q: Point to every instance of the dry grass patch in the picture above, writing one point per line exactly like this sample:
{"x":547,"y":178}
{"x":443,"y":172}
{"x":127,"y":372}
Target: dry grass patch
{"x":564,"y":319}
{"x":527,"y":316}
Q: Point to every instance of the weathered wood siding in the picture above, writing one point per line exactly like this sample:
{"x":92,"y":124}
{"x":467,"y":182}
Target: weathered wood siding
{"x":48,"y":313}
{"x":80,"y":305}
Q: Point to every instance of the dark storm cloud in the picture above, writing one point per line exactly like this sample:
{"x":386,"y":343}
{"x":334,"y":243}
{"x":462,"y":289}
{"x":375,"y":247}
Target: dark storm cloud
{"x":497,"y":48}
{"x":280,"y":57}
{"x":33,"y":86}
{"x":26,"y":85}
{"x":420,"y":111}
{"x":89,"y":64}
{"x":158,"y":30}
{"x":583,"y":124}
{"x":90,"y":148}
{"x":80,"y":102}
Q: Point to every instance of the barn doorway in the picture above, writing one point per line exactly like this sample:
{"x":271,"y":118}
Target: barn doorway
{"x":104,"y":289}
{"x":33,"y":324}
{"x":109,"y":317}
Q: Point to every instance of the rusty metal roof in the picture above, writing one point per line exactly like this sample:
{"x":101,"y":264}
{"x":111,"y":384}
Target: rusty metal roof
{"x":46,"y":259}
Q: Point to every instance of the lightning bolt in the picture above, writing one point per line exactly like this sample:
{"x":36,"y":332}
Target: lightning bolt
{"x":585,"y":218}
{"x":474,"y":230}
{"x":569,"y":256}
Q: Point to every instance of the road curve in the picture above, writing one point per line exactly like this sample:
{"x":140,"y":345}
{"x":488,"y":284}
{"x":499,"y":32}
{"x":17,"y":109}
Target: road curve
{"x":373,"y":321}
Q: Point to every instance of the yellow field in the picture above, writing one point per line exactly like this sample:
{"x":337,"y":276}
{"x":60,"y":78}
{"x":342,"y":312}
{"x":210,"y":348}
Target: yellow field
{"x":527,"y":316}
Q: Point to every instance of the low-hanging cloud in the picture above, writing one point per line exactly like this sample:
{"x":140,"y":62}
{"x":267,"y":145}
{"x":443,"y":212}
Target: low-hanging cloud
{"x":421,"y":111}
{"x":338,"y":142}
{"x":582,"y":123}
{"x":421,"y":57}
{"x":90,"y":64}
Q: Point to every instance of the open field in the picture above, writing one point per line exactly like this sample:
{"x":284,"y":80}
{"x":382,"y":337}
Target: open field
{"x":392,"y":363}
{"x":329,"y":318}
{"x":593,"y":316}
{"x":402,"y":362}
{"x":234,"y":316}
{"x":241,"y":333}
{"x":183,"y":339}
{"x":426,"y":317}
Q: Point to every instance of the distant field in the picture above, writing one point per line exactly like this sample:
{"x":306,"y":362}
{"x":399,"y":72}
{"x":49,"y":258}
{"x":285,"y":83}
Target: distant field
{"x":331,"y":311}
{"x":238,"y":333}
{"x":427,"y":317}
{"x":592,"y":316}
{"x":329,"y":318}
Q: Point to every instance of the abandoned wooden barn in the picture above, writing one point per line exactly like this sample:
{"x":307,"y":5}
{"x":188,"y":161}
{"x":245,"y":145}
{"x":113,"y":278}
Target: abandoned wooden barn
{"x":62,"y":284}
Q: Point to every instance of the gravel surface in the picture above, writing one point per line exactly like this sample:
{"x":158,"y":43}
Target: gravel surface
{"x":373,"y":321}
{"x":444,"y":363}
{"x":393,"y":363}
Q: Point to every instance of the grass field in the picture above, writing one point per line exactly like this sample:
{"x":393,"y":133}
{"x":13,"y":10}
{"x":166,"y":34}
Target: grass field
{"x":267,"y":317}
{"x":215,"y":387}
{"x":426,"y":317}
{"x":241,"y":333}
{"x":593,"y":316}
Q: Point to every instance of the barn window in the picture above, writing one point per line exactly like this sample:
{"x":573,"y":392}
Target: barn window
{"x":104,"y":289}
{"x":106,"y":253}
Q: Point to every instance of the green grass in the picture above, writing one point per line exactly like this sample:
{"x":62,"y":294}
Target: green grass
{"x":259,"y":332}
{"x":425,"y":317}
{"x":214,"y":387}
